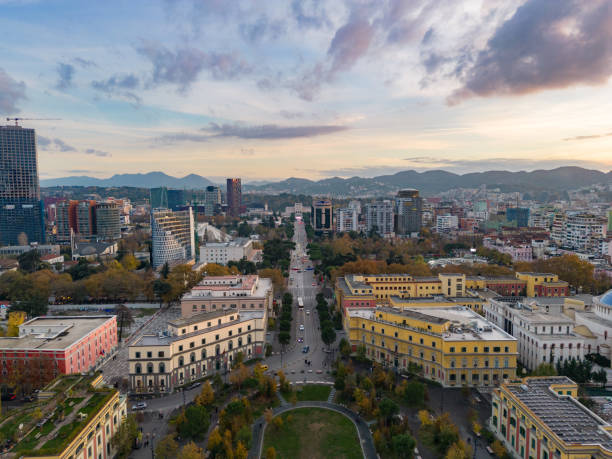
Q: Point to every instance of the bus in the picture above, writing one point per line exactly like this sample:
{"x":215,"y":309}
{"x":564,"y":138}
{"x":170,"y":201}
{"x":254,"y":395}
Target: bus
{"x":300,"y":303}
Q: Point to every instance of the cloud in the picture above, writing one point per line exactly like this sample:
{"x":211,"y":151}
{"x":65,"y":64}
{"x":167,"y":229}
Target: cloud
{"x":182,"y":66}
{"x":588,"y":137}
{"x":53,"y":144}
{"x":84,"y":63}
{"x":91,"y":151}
{"x":366,"y":171}
{"x":261,"y":29}
{"x":11,"y":92}
{"x":290,"y":115}
{"x":310,"y":14}
{"x":544,"y":45}
{"x":80,"y":171}
{"x":121,"y":85}
{"x":270,"y":131}
{"x":65,"y":74}
{"x":240,"y":131}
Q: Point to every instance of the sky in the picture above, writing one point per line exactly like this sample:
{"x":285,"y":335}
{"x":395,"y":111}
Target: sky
{"x":309,"y":88}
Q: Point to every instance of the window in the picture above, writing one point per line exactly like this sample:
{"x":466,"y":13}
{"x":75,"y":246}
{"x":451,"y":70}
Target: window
{"x":180,"y":348}
{"x":138,"y":369}
{"x":149,"y":368}
{"x":181,"y":361}
{"x":486,"y":349}
{"x":464,"y":349}
{"x":162,"y":368}
{"x":183,"y":331}
{"x":149,"y":354}
{"x":452,"y":349}
{"x":138,"y":355}
{"x":203,"y":340}
{"x":192,"y":344}
{"x":160,"y":354}
{"x":192,"y":357}
{"x":217,"y":337}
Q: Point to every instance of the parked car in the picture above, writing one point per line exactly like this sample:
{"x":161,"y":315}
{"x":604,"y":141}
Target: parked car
{"x":301,"y":327}
{"x":305,"y":349}
{"x":139,"y":406}
{"x":194,"y":385}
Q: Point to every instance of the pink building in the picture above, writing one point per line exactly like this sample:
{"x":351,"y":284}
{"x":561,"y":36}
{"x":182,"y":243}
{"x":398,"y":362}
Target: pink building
{"x":76,"y":344}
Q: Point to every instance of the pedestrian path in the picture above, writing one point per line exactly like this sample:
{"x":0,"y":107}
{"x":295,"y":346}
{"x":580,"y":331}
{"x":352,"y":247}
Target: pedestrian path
{"x":282,"y":399}
{"x":332,"y":394}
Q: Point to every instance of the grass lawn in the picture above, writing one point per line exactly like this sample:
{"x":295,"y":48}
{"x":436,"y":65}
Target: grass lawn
{"x":314,"y":433}
{"x":314,"y":392}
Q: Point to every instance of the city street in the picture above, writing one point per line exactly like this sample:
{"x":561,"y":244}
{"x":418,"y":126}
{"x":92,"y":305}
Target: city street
{"x":301,"y":280}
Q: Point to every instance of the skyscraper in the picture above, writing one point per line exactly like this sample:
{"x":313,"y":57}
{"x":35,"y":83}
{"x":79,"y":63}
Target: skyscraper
{"x":173,"y":238}
{"x":379,"y":217}
{"x":408,"y":211}
{"x":21,"y":210}
{"x":234,"y":196}
{"x":108,"y":221}
{"x":322,"y":215}
{"x":212,"y":200}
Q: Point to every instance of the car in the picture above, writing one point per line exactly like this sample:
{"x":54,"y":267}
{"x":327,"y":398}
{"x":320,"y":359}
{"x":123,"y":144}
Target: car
{"x":305,"y":349}
{"x":194,"y":385}
{"x":314,"y":284}
{"x":139,"y":406}
{"x":477,"y":399}
{"x":301,"y":327}
{"x":300,"y":340}
{"x":264,"y":367}
{"x":307,"y":311}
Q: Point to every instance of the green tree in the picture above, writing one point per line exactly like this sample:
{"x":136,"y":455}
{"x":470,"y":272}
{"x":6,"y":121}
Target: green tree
{"x":161,"y":289}
{"x":328,"y":335}
{"x":33,"y":303}
{"x":124,"y":318}
{"x":345,"y":347}
{"x":165,"y":270}
{"x":123,"y":440}
{"x":414,"y":395}
{"x":403,"y":446}
{"x":30,"y":261}
{"x":545,"y":369}
{"x":195,"y":423}
{"x":387,"y":409}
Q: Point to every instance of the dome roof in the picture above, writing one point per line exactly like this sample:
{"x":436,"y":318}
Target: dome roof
{"x":606,"y":298}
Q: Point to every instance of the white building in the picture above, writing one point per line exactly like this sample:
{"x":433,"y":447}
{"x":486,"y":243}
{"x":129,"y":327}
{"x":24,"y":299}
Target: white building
{"x":580,"y":232}
{"x":596,"y":323}
{"x":173,"y":237}
{"x":446,"y":223}
{"x":545,"y":334}
{"x":379,"y":216}
{"x":223,"y":252}
{"x":346,"y":219}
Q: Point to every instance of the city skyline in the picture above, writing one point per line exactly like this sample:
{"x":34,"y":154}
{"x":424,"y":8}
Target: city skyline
{"x":309,"y":89}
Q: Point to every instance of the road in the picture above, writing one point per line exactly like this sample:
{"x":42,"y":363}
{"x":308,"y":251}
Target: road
{"x":302,"y":284}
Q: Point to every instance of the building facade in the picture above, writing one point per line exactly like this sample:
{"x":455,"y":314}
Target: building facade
{"x":212,"y":200}
{"x":21,"y":209}
{"x":446,"y":223}
{"x":322,"y":215}
{"x":173,"y":237}
{"x":380,"y":218}
{"x":408,"y":211}
{"x":194,"y":347}
{"x":453,"y":346}
{"x":234,"y":196}
{"x":541,"y":418}
{"x":347,"y":219}
{"x":76,"y":344}
{"x":223,"y":252}
{"x":235,"y":292}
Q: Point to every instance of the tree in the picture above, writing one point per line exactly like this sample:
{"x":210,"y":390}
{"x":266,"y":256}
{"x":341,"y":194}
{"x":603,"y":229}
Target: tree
{"x":241,"y":451}
{"x":215,"y":441}
{"x":458,"y":450}
{"x":161,"y":289}
{"x":166,"y":448}
{"x":601,"y":377}
{"x":124,"y":318}
{"x":239,"y":375}
{"x":126,"y":435}
{"x":268,"y":415}
{"x":206,"y":395}
{"x":345,"y":347}
{"x":545,"y":369}
{"x":165,"y":270}
{"x":30,"y":261}
{"x":414,"y":394}
{"x":129,"y":262}
{"x":191,"y":451}
{"x":271,"y":453}
{"x":33,"y":303}
{"x":387,"y":408}
{"x":278,"y":422}
{"x":403,"y":445}
{"x":194,"y":423}
{"x":498,"y":448}
{"x":284,"y":337}
{"x":328,"y":335}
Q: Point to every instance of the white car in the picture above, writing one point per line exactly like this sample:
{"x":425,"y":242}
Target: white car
{"x":307,"y":311}
{"x":139,"y":406}
{"x":301,"y":327}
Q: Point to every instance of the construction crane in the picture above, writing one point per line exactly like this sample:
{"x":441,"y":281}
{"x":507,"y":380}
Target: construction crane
{"x":16,"y":120}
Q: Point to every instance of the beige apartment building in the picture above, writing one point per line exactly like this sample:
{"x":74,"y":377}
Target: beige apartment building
{"x":194,"y":347}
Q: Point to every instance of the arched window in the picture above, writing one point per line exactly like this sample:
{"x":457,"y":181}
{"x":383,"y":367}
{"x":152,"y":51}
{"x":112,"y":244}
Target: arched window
{"x":249,"y":339}
{"x":217,"y":349}
{"x":230,"y":345}
{"x":149,"y":368}
{"x":181,"y":361}
{"x":192,"y":357}
{"x":162,"y":368}
{"x":138,"y":369}
{"x":239,"y":342}
{"x":203,"y":353}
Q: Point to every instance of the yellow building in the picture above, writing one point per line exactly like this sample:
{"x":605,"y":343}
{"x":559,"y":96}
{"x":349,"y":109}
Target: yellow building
{"x":543,"y":284}
{"x":454,"y":346}
{"x":97,"y":414}
{"x":540,"y":418}
{"x":474,"y":303}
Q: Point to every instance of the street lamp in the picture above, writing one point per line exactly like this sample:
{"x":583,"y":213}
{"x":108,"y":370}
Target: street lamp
{"x":152,"y":447}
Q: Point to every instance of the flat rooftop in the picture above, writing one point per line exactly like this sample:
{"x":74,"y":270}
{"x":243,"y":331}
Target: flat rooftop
{"x":571,"y":421}
{"x":53,"y":333}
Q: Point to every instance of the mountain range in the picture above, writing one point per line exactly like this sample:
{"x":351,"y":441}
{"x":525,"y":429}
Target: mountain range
{"x":435,"y":181}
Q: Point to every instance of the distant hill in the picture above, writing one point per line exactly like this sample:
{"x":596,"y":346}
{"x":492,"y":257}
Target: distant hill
{"x":148,"y":180}
{"x":559,"y":179}
{"x":428,"y":182}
